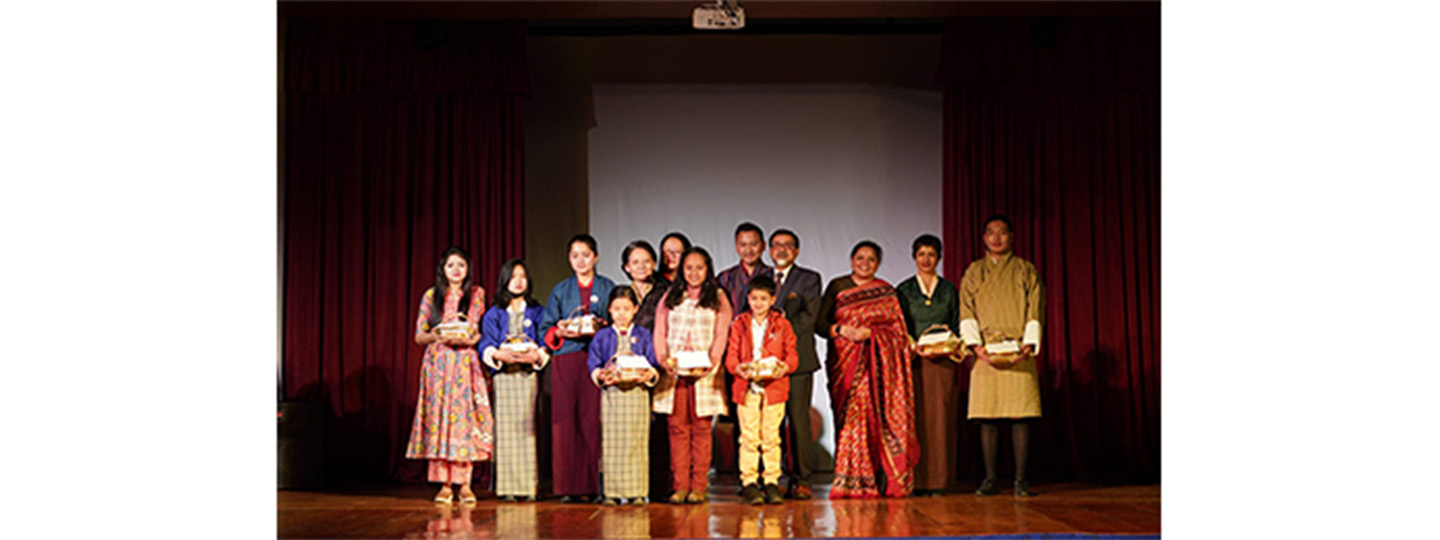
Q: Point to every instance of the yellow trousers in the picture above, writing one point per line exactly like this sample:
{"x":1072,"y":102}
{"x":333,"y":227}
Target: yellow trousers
{"x":759,"y":436}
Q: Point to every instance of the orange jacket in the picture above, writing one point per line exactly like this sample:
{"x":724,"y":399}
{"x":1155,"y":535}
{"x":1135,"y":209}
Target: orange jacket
{"x":779,"y":342}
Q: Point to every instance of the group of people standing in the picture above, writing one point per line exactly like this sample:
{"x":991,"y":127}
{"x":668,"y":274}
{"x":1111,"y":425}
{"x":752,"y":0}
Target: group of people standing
{"x":679,"y":345}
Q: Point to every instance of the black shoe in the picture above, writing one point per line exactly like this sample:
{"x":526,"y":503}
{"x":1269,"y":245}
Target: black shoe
{"x":987,"y":488}
{"x":508,"y":498}
{"x":800,"y":492}
{"x":772,"y":494}
{"x":1022,"y":489}
{"x":750,"y":494}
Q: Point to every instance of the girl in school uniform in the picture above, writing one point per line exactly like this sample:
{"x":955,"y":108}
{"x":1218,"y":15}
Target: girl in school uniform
{"x":509,"y":345}
{"x":624,"y":403}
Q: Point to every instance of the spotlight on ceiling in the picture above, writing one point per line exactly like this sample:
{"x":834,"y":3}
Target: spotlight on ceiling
{"x":721,"y":15}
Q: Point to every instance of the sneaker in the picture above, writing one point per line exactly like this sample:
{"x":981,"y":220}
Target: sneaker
{"x":987,"y":488}
{"x":679,"y":497}
{"x":750,"y":494}
{"x":772,"y":494}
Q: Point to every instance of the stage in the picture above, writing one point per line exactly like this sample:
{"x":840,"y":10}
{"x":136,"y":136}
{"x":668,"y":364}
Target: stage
{"x":1060,"y":511}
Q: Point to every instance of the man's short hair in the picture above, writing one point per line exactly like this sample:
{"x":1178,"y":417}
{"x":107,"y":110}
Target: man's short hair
{"x":749,"y":227}
{"x":997,"y":217}
{"x":787,"y":232}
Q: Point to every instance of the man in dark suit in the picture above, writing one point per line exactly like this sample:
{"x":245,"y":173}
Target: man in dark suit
{"x":797,"y":293}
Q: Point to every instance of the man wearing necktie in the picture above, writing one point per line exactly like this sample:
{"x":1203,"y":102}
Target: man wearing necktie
{"x":797,"y":293}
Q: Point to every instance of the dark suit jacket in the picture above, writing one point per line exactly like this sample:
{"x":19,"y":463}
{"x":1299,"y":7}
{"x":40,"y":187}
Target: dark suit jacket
{"x":799,"y":298}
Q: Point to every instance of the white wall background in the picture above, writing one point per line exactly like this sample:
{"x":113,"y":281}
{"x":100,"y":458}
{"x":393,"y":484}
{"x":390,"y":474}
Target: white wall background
{"x":835,"y":163}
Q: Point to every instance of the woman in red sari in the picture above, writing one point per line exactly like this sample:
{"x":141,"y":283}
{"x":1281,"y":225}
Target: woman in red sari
{"x":868,"y":364}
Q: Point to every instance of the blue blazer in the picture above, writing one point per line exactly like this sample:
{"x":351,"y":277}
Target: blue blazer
{"x":565,"y":298}
{"x":495,"y":326}
{"x":602,"y":348}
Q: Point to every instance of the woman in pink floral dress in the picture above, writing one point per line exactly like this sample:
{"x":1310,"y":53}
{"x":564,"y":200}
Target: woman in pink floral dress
{"x":452,"y":415}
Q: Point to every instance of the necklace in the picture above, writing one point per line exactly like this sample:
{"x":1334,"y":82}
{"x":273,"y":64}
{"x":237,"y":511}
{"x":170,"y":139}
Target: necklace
{"x":920,"y":279}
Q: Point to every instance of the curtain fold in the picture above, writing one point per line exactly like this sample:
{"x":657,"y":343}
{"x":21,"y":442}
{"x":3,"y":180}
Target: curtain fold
{"x":1055,"y":123}
{"x":397,"y":145}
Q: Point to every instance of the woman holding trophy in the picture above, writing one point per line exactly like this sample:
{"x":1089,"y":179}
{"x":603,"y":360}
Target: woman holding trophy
{"x":691,"y":329}
{"x":574,"y":312}
{"x":932,"y":314}
{"x":452,"y":412}
{"x":510,"y":347}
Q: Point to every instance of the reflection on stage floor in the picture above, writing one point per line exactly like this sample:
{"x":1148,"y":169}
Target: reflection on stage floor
{"x":407,"y":512}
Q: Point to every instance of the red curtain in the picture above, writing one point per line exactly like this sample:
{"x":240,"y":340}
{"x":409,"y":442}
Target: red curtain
{"x":400,"y":139}
{"x":1056,"y":123}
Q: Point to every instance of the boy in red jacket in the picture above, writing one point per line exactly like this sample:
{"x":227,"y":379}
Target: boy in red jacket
{"x":761,"y":356}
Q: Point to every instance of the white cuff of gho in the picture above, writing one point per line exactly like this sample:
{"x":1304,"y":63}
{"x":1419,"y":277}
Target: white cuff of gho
{"x":1032,"y":336}
{"x":970,"y":332}
{"x":489,"y":358}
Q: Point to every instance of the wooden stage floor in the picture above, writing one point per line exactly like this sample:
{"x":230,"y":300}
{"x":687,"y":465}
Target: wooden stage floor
{"x":406,"y":512}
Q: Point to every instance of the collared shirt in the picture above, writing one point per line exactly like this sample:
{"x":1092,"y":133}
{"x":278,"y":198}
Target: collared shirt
{"x":780,"y":276}
{"x":622,"y":346}
{"x":758,"y":326}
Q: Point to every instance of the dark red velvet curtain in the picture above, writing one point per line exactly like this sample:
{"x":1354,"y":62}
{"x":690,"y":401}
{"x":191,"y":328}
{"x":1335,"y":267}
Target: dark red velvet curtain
{"x":398,"y":144}
{"x":1056,"y":123}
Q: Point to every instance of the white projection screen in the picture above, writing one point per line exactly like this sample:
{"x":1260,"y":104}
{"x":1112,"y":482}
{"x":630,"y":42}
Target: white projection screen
{"x":835,"y":163}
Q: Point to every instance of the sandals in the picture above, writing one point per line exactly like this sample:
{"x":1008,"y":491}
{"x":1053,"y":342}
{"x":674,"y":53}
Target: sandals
{"x":450,"y":497}
{"x":467,"y":496}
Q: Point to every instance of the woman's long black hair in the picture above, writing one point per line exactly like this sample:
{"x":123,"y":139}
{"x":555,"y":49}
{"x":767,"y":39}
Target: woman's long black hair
{"x":503,"y":296}
{"x":709,"y":289}
{"x":442,"y":286}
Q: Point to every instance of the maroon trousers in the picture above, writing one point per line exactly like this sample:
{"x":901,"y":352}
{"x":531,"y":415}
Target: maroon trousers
{"x":689,"y":441}
{"x":574,"y":426}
